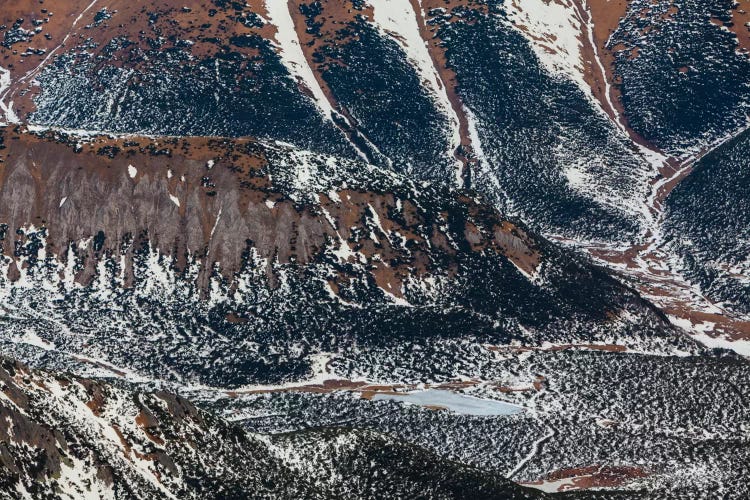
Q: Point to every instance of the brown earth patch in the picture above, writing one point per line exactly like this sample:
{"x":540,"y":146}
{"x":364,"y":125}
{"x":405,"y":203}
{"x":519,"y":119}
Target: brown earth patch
{"x":595,"y":476}
{"x":203,"y":29}
{"x":599,"y":477}
{"x":739,"y":25}
{"x":364,"y":389}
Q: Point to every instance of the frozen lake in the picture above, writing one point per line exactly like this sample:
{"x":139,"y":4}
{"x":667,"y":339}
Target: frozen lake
{"x":459,"y":403}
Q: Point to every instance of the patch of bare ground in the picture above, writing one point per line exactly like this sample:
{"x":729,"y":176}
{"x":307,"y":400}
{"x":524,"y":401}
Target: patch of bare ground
{"x":583,"y":478}
{"x":536,"y":385}
{"x":435,"y":407}
{"x":203,"y":29}
{"x":739,"y":25}
{"x":719,"y":323}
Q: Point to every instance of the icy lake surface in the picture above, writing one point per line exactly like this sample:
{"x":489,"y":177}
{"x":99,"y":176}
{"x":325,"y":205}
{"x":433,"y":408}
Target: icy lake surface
{"x":466,"y":405}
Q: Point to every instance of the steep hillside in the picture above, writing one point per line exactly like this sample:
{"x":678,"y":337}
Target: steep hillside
{"x":408,"y":248}
{"x":174,"y":68}
{"x":239,"y":260}
{"x":75,"y":438}
{"x":708,"y":224}
{"x":430,"y":90}
{"x":682,"y":70}
{"x":549,"y":153}
{"x":582,"y":418}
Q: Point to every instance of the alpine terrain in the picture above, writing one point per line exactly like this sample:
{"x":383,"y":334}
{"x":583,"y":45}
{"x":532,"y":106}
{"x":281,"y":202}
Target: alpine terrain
{"x":460,"y":249}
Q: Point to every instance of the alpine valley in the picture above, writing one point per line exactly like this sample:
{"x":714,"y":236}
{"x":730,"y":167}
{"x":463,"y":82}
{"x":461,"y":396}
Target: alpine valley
{"x":459,"y":249}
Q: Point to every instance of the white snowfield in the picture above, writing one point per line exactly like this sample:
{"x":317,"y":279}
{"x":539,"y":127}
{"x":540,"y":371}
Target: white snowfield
{"x":554,"y":30}
{"x":291,"y":53}
{"x":7,"y":115}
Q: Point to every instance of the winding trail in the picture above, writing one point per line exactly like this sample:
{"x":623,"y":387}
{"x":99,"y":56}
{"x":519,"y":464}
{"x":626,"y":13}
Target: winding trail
{"x":536,"y":447}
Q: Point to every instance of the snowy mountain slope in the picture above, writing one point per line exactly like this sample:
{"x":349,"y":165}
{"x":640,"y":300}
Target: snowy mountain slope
{"x":77,"y":438}
{"x":284,"y":209}
{"x":551,"y":155}
{"x":254,"y":257}
{"x":353,"y":78}
{"x":72,"y":438}
{"x":707,"y":224}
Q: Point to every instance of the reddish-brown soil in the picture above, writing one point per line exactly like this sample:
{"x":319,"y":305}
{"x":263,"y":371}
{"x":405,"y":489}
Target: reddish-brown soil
{"x":208,"y":27}
{"x":148,"y":424}
{"x":740,"y":25}
{"x":584,"y":478}
{"x":605,"y":15}
{"x":595,"y":476}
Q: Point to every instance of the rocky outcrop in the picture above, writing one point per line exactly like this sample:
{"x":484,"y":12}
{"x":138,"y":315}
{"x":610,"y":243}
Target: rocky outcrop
{"x":202,"y":245}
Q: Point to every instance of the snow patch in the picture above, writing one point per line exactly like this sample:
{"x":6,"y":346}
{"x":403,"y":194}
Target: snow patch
{"x":334,"y":196}
{"x":132,"y":171}
{"x":476,"y":144}
{"x":31,"y":338}
{"x":174,"y":199}
{"x":741,"y":347}
{"x":553,"y":29}
{"x":577,"y":178}
{"x":291,"y":53}
{"x":7,"y":115}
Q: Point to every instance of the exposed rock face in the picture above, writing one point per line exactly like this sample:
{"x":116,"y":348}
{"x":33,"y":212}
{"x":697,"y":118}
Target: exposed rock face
{"x":214,"y":199}
{"x":207,"y":244}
